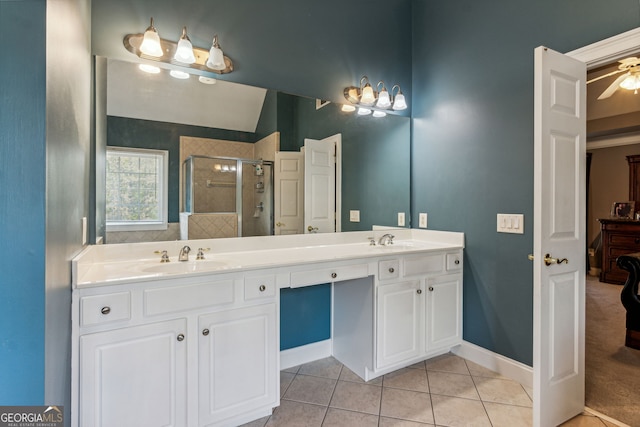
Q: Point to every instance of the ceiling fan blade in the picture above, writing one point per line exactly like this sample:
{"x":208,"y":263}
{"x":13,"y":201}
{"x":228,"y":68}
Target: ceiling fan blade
{"x":613,"y":87}
{"x":604,"y":76}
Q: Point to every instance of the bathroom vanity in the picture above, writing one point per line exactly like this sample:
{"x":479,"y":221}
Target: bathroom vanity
{"x":196,"y":343}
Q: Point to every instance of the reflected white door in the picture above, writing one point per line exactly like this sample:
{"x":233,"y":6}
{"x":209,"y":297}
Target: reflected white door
{"x":288,"y":178}
{"x":559,"y":224}
{"x":320,"y":185}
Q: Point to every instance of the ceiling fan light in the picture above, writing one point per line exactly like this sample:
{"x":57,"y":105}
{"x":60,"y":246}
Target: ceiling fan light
{"x":184,"y":52}
{"x":632,"y":82}
{"x":151,"y":42}
{"x":216,"y":56}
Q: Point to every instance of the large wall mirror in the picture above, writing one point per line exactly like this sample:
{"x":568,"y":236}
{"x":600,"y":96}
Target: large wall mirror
{"x":219,"y":119}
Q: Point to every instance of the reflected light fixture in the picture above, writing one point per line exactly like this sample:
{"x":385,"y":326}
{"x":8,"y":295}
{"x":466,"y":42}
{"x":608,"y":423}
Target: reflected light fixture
{"x":363,"y":111}
{"x":151,"y":69}
{"x":399,"y":103}
{"x":216,"y":57}
{"x":151,"y":42}
{"x":378,"y":113}
{"x":178,"y":74}
{"x":184,"y":52}
{"x":207,"y":80}
{"x":347,"y":108}
{"x":632,"y":82}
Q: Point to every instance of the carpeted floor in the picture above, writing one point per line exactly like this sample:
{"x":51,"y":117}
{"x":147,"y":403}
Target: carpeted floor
{"x":612,"y":370}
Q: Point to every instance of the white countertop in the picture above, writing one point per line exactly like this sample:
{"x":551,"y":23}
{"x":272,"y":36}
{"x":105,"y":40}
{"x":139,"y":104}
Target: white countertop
{"x":122,"y":263}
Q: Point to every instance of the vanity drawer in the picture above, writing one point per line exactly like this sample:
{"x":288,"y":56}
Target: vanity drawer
{"x":328,"y":275}
{"x":454,"y":261}
{"x":98,"y":309}
{"x":388,"y":269}
{"x":423,"y":264}
{"x":187,"y":297}
{"x":256,"y":287}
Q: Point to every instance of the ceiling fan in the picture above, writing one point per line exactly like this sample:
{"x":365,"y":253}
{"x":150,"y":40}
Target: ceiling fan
{"x":629,"y":80}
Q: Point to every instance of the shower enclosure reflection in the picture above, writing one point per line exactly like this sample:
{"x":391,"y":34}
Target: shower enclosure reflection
{"x":226,"y":197}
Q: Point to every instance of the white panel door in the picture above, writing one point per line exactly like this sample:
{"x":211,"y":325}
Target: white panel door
{"x":399,"y":323}
{"x":319,"y":186}
{"x":237,"y":361}
{"x":559,"y":237}
{"x":134,"y":376}
{"x":289,"y":193}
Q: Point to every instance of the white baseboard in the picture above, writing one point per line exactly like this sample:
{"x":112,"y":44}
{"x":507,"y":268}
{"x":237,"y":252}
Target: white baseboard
{"x":605,"y":417}
{"x":496,"y":362}
{"x":305,"y":354}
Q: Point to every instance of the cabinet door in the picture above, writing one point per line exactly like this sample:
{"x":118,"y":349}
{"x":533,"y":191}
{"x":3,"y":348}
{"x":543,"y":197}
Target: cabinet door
{"x":238,"y":352}
{"x":134,"y":376}
{"x":399,"y":323}
{"x":444,"y":312}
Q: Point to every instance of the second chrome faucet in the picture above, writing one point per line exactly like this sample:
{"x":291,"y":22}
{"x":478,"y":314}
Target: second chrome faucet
{"x":184,"y":253}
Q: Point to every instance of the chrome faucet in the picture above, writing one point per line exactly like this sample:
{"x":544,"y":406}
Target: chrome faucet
{"x":386,"y":239}
{"x":184,"y":253}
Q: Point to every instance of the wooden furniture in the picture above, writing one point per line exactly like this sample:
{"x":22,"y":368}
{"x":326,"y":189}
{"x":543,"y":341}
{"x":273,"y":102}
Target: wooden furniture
{"x":630,"y":300}
{"x":619,"y":237}
{"x":634,"y":178}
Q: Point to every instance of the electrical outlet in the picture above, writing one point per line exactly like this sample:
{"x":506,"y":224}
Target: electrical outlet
{"x":422,"y":220}
{"x":354,"y":216}
{"x":400,"y":219}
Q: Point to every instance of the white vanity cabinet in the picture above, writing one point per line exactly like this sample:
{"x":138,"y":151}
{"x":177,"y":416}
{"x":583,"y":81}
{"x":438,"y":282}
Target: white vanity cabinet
{"x":199,"y":351}
{"x":418,"y":308}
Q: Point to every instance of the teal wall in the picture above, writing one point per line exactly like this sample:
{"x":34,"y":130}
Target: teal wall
{"x":22,"y":202}
{"x":472,"y":145}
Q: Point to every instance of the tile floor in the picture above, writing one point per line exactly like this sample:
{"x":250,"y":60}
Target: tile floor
{"x":443,"y":391}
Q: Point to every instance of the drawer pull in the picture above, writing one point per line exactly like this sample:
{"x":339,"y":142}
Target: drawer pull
{"x":105,"y":310}
{"x":262,"y":288}
{"x":180,"y":337}
{"x":456,"y":262}
{"x":205,"y":332}
{"x":334,"y":275}
{"x":430,"y":288}
{"x":419,"y":291}
{"x":391,"y":270}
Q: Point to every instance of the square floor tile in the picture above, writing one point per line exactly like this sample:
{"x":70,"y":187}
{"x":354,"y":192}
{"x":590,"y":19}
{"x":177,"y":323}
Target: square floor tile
{"x":340,"y":418}
{"x":285,"y":381}
{"x":448,"y":363}
{"x":454,"y":412}
{"x":357,"y":397}
{"x":407,"y":379}
{"x":308,"y":389}
{"x":326,"y":368}
{"x":449,"y":384}
{"x":348,"y":375}
{"x":297,"y":414}
{"x":509,"y":415}
{"x":406,"y":405}
{"x":502,"y":391}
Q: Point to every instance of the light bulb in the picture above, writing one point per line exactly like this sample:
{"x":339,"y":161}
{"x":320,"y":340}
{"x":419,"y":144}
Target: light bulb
{"x":179,"y":74}
{"x":348,"y":108}
{"x":363,"y":111}
{"x":151,"y":69}
{"x":383,"y":99}
{"x":216,"y":57}
{"x":151,"y":42}
{"x":367,"y":98}
{"x":632,"y":82}
{"x":184,"y":52}
{"x":399,"y":102}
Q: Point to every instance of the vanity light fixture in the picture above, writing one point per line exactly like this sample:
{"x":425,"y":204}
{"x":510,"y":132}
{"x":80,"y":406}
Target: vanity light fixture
{"x":365,"y":96}
{"x":151,"y":42}
{"x":150,"y":46}
{"x":184,"y":52}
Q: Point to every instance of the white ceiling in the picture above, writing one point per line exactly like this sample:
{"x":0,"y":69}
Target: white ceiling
{"x":160,"y":97}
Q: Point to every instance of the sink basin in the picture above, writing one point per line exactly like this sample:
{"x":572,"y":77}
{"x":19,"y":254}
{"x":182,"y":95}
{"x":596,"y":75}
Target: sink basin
{"x":187,"y":266}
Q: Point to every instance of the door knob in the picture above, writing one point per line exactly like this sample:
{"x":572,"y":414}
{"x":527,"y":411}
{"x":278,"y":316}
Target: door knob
{"x":279,"y":224}
{"x":530,"y":256}
{"x":548,"y":260}
{"x":311,"y":229}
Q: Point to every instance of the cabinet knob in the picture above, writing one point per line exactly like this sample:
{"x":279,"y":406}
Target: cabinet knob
{"x":456,"y":262}
{"x":430,"y":288}
{"x":205,"y":332}
{"x":262,"y":288}
{"x":391,"y":270}
{"x":105,"y":310}
{"x":180,"y":337}
{"x":334,"y":275}
{"x":419,"y":291}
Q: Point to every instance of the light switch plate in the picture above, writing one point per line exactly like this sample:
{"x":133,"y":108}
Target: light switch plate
{"x":422,"y":220}
{"x":511,"y":223}
{"x":400,"y":219}
{"x":354,"y":216}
